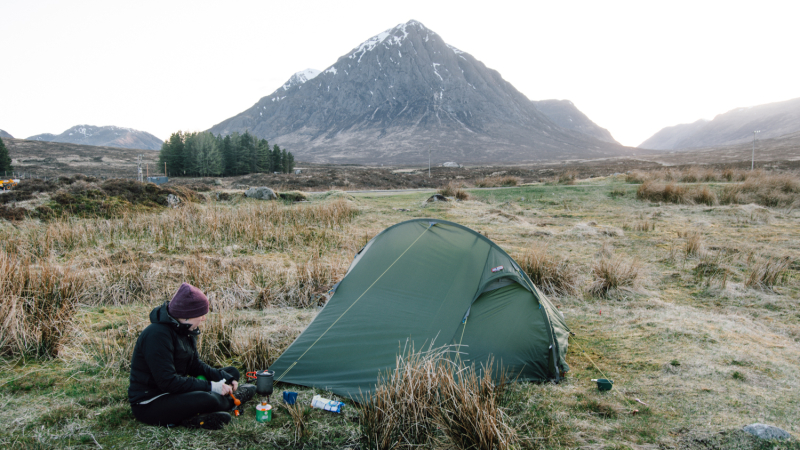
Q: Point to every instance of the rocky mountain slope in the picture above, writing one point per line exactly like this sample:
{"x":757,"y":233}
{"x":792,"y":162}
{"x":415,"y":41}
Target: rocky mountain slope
{"x":564,"y":114}
{"x":406,"y":92}
{"x":733,"y":127}
{"x":5,"y":135}
{"x":109,"y":136}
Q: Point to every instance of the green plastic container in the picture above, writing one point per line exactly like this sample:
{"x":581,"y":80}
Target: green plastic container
{"x":603,"y":384}
{"x":263,"y":413}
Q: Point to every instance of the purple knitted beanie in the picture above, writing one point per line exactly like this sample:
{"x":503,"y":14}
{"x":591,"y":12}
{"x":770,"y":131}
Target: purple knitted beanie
{"x":188,"y":303}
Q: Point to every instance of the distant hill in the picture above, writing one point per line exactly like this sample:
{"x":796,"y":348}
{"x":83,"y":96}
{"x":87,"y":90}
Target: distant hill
{"x":668,"y":138}
{"x":5,"y":135}
{"x":49,"y":159}
{"x":564,"y":114}
{"x":403,"y":93}
{"x":109,"y":136}
{"x":733,"y":127}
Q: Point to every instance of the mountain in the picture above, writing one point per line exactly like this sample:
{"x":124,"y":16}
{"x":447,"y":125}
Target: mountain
{"x":733,"y":127}
{"x":401,"y":94}
{"x":5,"y":135}
{"x":564,"y":114}
{"x":668,"y":138}
{"x":109,"y":136}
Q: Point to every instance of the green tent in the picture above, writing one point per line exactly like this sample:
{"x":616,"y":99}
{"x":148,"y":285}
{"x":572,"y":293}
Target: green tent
{"x":420,"y":282}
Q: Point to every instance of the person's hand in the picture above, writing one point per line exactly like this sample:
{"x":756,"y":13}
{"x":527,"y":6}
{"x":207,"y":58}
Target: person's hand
{"x":235,"y":385}
{"x":221,"y":388}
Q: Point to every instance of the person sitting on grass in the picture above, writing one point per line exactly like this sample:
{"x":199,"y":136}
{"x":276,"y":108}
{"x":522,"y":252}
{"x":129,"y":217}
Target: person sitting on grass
{"x":166,"y":384}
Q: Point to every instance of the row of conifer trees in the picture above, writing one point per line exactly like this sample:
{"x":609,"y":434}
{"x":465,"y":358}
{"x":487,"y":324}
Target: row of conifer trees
{"x":203,"y":154}
{"x":5,"y":160}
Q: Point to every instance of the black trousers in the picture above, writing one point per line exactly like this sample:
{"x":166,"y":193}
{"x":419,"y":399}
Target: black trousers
{"x":172,"y":409}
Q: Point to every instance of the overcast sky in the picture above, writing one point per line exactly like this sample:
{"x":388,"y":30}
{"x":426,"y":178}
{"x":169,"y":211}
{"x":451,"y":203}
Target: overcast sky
{"x":162,"y":66}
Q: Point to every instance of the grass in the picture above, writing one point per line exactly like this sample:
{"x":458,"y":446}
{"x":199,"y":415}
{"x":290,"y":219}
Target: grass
{"x":709,"y":340}
{"x":552,"y":273}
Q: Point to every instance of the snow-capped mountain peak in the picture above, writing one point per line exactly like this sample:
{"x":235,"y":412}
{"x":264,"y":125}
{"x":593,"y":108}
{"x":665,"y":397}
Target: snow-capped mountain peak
{"x":300,"y":78}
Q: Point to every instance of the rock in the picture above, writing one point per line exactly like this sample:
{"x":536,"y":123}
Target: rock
{"x":451,"y":164}
{"x":293,"y":196}
{"x":612,"y":231}
{"x":173,"y":201}
{"x":583,"y":229}
{"x":217,"y":182}
{"x":768,"y":432}
{"x":542,"y":233}
{"x":437,"y":198}
{"x":297,"y":171}
{"x":261,"y":193}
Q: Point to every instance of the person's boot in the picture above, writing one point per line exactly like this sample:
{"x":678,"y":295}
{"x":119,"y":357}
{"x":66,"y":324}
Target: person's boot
{"x":245,"y":393}
{"x":209,"y":421}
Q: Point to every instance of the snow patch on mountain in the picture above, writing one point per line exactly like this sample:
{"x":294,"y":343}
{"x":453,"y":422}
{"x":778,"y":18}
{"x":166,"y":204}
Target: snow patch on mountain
{"x":300,"y":78}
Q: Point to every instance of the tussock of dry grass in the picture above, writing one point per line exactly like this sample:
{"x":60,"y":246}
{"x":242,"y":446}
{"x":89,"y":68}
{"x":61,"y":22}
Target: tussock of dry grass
{"x":695,"y":245}
{"x":228,"y":338}
{"x":772,"y":190}
{"x":553,"y":274}
{"x":430,"y":400}
{"x":37,"y":305}
{"x":454,"y":190}
{"x":767,"y":272}
{"x":615,"y":274}
{"x":498,"y":181}
{"x":569,"y":177}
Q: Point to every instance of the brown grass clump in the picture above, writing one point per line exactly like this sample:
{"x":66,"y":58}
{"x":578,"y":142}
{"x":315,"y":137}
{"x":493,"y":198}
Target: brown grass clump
{"x":299,"y":413}
{"x":37,"y":307}
{"x":552,"y":274}
{"x":659,"y":192}
{"x":430,"y":400}
{"x":615,"y":274}
{"x":705,"y":196}
{"x":569,"y":177}
{"x":767,"y":272}
{"x":300,"y":286}
{"x":113,"y":349}
{"x":772,"y":190}
{"x":641,"y":225}
{"x":694,"y":245}
{"x":498,"y":181}
{"x":638,"y":177}
{"x":454,"y":190}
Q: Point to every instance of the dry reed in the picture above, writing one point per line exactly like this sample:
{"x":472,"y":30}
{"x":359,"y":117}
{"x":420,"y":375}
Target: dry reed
{"x":455,"y":190}
{"x":433,"y":399}
{"x":615,"y":274}
{"x":37,"y":306}
{"x":767,"y":272}
{"x":553,"y":274}
{"x":498,"y":181}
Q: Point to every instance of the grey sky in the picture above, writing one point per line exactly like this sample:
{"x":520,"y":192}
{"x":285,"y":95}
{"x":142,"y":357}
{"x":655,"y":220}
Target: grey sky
{"x":163,"y":66}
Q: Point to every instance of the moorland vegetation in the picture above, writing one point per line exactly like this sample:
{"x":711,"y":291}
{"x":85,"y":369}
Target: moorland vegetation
{"x":689,"y":306}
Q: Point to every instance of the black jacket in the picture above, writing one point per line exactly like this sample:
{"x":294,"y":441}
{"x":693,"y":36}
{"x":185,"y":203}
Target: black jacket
{"x":165,"y":360}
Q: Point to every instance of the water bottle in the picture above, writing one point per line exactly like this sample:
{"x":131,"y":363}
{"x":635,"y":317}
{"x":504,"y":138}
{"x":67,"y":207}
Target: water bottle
{"x":326,"y":404}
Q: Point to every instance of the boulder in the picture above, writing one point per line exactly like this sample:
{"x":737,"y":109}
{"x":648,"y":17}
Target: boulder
{"x":437,"y":198}
{"x":173,"y":201}
{"x":261,"y":193}
{"x":768,"y":432}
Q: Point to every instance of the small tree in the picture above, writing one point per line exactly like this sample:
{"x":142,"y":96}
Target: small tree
{"x":5,"y":160}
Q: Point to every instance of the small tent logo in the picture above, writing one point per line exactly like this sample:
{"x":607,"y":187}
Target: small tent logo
{"x":497,"y":269}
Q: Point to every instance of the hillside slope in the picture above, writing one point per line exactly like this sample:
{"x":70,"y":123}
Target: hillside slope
{"x":733,"y":127}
